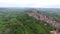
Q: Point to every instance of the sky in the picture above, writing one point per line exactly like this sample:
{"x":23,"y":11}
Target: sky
{"x":30,"y":3}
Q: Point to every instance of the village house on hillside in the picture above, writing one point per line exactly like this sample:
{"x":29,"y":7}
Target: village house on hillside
{"x":43,"y":17}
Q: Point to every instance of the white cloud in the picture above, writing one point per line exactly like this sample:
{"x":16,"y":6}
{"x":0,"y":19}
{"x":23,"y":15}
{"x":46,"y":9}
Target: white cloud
{"x":29,"y":3}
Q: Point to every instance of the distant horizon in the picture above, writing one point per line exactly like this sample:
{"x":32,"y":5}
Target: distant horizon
{"x":19,"y":7}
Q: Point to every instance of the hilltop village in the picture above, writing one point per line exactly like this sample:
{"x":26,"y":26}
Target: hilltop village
{"x":44,"y":18}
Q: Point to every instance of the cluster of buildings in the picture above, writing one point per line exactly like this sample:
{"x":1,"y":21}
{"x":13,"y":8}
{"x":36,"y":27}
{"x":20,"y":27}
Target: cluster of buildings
{"x":42,"y":17}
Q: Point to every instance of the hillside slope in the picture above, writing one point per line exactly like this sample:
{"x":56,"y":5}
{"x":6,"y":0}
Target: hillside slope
{"x":23,"y":24}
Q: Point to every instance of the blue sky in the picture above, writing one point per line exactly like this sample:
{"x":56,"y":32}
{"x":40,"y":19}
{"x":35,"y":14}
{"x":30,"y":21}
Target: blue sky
{"x":30,"y":3}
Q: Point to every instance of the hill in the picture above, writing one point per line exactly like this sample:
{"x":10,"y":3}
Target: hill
{"x":18,"y":22}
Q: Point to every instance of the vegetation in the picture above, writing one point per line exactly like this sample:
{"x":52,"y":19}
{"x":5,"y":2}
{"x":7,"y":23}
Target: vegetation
{"x":17,"y":22}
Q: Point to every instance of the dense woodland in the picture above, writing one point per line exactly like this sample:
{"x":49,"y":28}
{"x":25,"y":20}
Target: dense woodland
{"x":16,"y":21}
